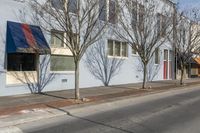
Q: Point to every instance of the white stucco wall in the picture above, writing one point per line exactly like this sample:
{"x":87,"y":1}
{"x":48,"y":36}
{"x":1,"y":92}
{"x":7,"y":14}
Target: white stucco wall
{"x":131,"y":71}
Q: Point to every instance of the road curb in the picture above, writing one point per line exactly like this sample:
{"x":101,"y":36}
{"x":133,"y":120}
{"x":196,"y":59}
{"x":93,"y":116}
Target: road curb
{"x":10,"y":127}
{"x":131,"y":99}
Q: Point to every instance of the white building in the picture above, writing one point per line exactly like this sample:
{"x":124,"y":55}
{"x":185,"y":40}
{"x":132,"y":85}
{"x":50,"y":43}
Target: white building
{"x":15,"y":13}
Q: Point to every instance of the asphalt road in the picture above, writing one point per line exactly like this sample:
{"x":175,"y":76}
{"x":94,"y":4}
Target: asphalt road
{"x":174,"y":112}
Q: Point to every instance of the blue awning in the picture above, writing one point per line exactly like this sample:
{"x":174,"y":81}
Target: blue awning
{"x":24,"y":38}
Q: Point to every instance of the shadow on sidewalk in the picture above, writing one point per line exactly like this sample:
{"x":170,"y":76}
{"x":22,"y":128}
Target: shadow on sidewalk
{"x":55,"y":96}
{"x":92,"y":121}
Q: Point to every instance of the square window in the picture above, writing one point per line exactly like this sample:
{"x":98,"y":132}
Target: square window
{"x":57,"y":39}
{"x":117,"y":48}
{"x":21,"y":62}
{"x":62,"y":63}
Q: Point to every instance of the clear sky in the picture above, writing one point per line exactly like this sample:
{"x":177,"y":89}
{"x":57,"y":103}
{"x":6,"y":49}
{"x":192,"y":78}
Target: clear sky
{"x":188,"y":4}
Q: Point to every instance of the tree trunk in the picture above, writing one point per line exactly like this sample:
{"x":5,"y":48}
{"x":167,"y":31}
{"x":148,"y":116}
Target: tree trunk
{"x":77,"y":92}
{"x":105,"y":84}
{"x":182,"y":74}
{"x":144,"y":76}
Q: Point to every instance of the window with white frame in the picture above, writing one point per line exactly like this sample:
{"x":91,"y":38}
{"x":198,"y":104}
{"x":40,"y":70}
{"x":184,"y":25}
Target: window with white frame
{"x":157,"y":56}
{"x":60,"y":39}
{"x":117,"y":48}
{"x":57,"y":39}
{"x":62,"y":63}
{"x":61,"y":58}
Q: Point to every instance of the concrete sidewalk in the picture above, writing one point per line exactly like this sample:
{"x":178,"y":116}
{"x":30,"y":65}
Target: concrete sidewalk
{"x":21,"y":109}
{"x":15,"y":104}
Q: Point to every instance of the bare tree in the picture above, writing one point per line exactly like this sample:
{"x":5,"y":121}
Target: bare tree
{"x":1,"y":69}
{"x":152,"y":71}
{"x":144,"y":29}
{"x":101,"y":66}
{"x":78,"y":19}
{"x":187,"y":39}
{"x":30,"y":78}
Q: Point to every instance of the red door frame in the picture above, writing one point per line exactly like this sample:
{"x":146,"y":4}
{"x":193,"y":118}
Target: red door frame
{"x":166,"y":59}
{"x":167,"y":70}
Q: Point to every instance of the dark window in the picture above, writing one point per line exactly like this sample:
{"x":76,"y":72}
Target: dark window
{"x":166,"y":55}
{"x":158,"y":24}
{"x":157,"y":59}
{"x":102,"y":10}
{"x":171,"y":55}
{"x":134,"y":51}
{"x":21,"y":62}
{"x":161,"y":24}
{"x":183,"y":32}
{"x":60,"y":4}
{"x":112,"y":12}
{"x":57,"y":4}
{"x":164,"y":20}
{"x":72,"y":6}
{"x":198,"y":71}
{"x":141,"y":17}
{"x":134,"y":13}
